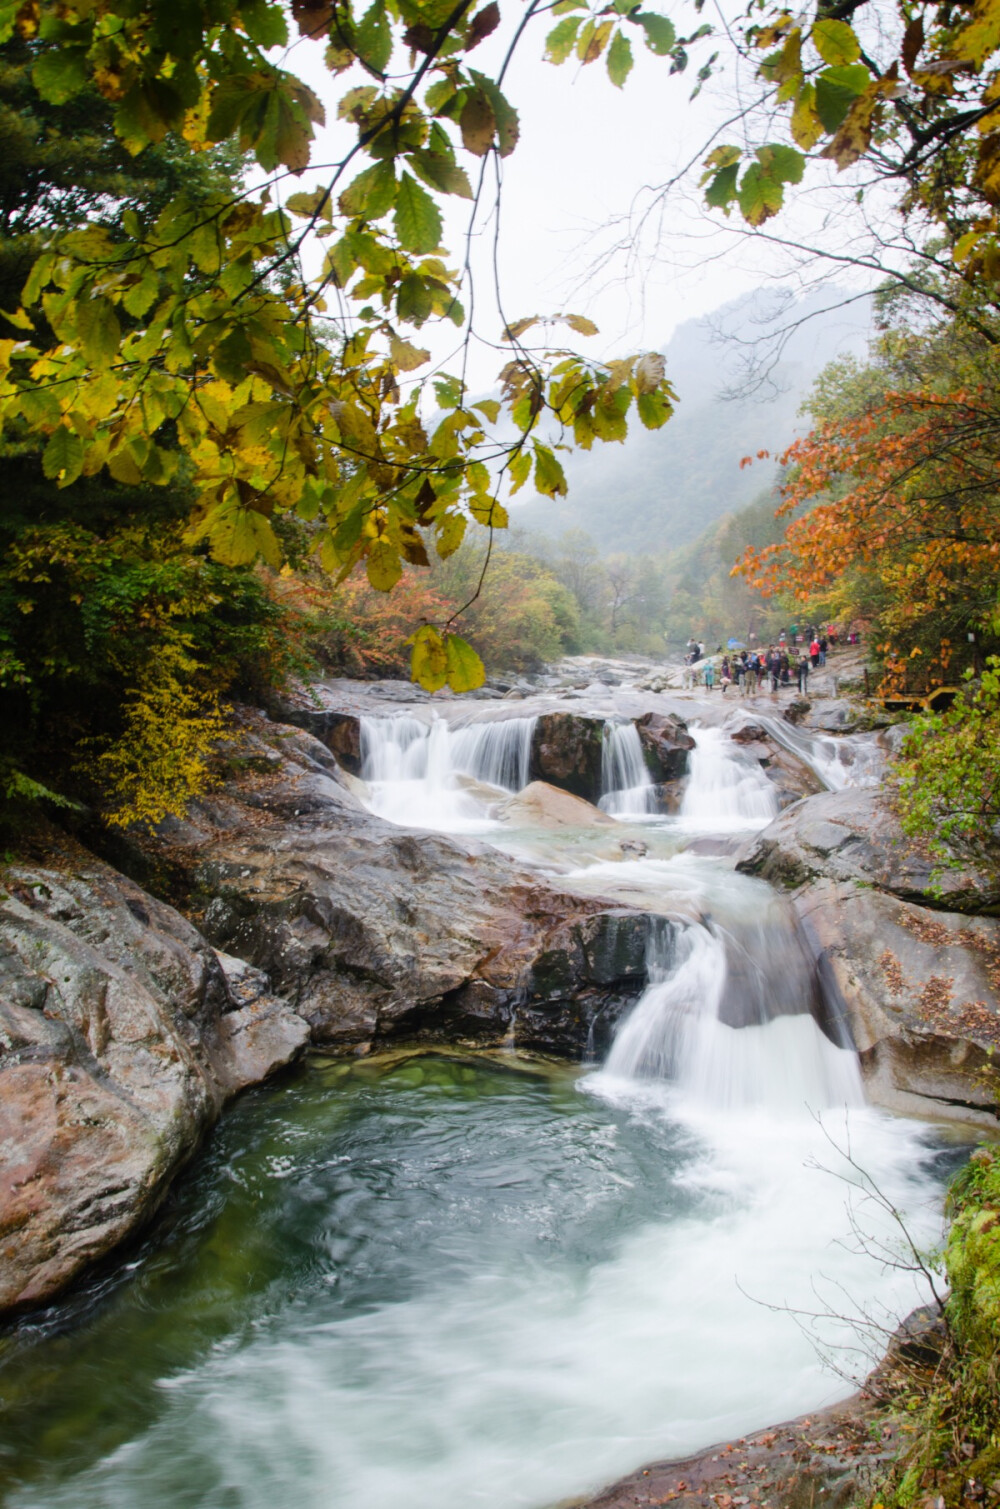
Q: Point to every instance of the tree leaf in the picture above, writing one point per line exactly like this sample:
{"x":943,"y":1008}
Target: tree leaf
{"x":550,"y":479}
{"x":373,"y":37}
{"x":238,"y":535}
{"x":450,"y":534}
{"x":477,"y":123}
{"x":649,"y":372}
{"x":406,"y":357}
{"x":483,"y":23}
{"x":488,"y":512}
{"x":490,"y":408}
{"x":654,"y":410}
{"x":98,"y":330}
{"x":60,"y":72}
{"x":371,"y":194}
{"x":760,"y":195}
{"x":580,"y":324}
{"x":722,"y":190}
{"x":507,"y":122}
{"x":519,"y":469}
{"x":383,"y":566}
{"x":807,"y":128}
{"x":836,"y":91}
{"x":619,"y":60}
{"x":62,"y":458}
{"x":593,"y":40}
{"x":835,"y":42}
{"x":417,"y":218}
{"x":429,"y":660}
{"x":561,"y":39}
{"x":441,"y":173}
{"x":465,"y":669}
{"x":661,"y":36}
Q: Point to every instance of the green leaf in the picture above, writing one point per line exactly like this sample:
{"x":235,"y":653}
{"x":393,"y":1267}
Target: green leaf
{"x":477,"y":123}
{"x":230,"y":102}
{"x":417,"y":218}
{"x":488,"y":512}
{"x":98,"y":330}
{"x":60,"y":73}
{"x":141,"y":295}
{"x":62,"y":458}
{"x":519,"y":470}
{"x":413,"y":301}
{"x":654,"y":410}
{"x":383,"y":566}
{"x":781,"y":162}
{"x":619,"y":60}
{"x":550,"y":479}
{"x":429,"y":661}
{"x":371,"y":194}
{"x":465,"y":669}
{"x":835,"y":42}
{"x":760,"y":195}
{"x":490,"y":408}
{"x":405,"y":356}
{"x":237,"y":536}
{"x":265,"y":24}
{"x":441,"y":173}
{"x":561,"y":39}
{"x":722,"y":190}
{"x":373,"y":37}
{"x":661,"y":36}
{"x":836,"y":91}
{"x":450,"y":534}
{"x":317,"y":201}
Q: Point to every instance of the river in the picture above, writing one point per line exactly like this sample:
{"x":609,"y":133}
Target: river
{"x":441,"y":1279}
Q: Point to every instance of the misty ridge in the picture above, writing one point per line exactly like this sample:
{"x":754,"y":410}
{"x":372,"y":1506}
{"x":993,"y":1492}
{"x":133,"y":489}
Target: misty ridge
{"x":742,"y":374}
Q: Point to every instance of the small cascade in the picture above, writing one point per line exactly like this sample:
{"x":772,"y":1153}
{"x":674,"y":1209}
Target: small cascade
{"x":678,"y":1031}
{"x":725,"y":790}
{"x":627,"y":790}
{"x":845,"y":761}
{"x":497,"y":752}
{"x":419,"y":771}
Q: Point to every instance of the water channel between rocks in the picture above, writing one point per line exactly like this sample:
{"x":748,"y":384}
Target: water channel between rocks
{"x":443,"y":1279}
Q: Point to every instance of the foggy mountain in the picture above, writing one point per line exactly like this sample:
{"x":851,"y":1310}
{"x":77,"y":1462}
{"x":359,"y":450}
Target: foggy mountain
{"x":661,"y":489}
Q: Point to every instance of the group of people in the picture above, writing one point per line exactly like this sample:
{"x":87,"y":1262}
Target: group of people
{"x":752,"y":669}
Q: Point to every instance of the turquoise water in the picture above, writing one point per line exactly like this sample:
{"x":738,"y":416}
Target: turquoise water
{"x":430,"y":1281}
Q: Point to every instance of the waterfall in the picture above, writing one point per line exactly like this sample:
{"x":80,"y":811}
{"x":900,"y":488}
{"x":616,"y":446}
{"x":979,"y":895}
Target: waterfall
{"x":677,"y":1031}
{"x":416,"y":769}
{"x":839,"y":762}
{"x":626,"y":787}
{"x":725,"y":790}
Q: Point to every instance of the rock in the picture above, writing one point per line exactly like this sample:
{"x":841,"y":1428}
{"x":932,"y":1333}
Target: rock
{"x":921,"y":992}
{"x":340,"y":733}
{"x":373,"y":931}
{"x":796,"y":710}
{"x":790,"y":775}
{"x":566,"y":751}
{"x":543,"y":806}
{"x":666,"y":744}
{"x":121,"y":1035}
{"x":854,"y":835}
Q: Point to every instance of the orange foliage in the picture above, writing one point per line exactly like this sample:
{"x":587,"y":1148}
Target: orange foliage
{"x":909,"y":502}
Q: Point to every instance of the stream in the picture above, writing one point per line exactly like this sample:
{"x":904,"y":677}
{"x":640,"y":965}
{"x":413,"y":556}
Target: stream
{"x":442,"y":1279}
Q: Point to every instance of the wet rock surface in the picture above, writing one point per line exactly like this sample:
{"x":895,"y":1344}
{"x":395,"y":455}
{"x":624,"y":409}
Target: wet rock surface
{"x":122,"y":1033}
{"x":566,"y":751}
{"x":666,"y":744}
{"x":853,"y":835}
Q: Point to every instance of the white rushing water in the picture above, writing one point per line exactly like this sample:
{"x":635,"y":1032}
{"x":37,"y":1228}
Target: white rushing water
{"x":613,"y":1283}
{"x":726,"y":792}
{"x":626,"y":786}
{"x":420,"y":772}
{"x":839,"y":762}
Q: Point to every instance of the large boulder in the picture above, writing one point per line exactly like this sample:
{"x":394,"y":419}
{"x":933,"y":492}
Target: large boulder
{"x":921,"y":992}
{"x":540,"y":805}
{"x":855,"y":835}
{"x":566,"y":751}
{"x":122,"y":1033}
{"x":340,"y":733}
{"x":666,"y":744}
{"x":370,"y":930}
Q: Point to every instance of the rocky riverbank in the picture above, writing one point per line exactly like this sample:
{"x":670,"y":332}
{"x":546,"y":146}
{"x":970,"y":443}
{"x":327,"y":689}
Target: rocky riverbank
{"x":290,"y":915}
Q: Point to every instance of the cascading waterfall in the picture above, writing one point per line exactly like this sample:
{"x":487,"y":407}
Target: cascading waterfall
{"x":416,"y":769}
{"x":841,"y":762}
{"x":678,"y":1030}
{"x":626,"y":786}
{"x":725,"y":792}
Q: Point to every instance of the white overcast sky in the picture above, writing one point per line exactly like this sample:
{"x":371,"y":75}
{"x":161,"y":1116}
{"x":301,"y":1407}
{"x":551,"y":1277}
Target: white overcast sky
{"x":587,"y":150}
